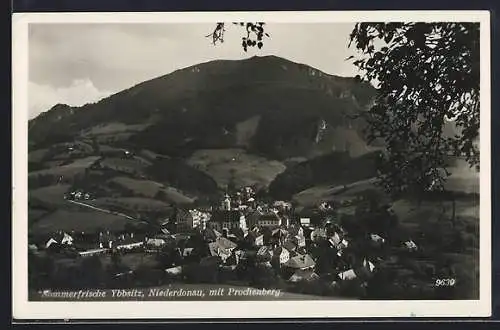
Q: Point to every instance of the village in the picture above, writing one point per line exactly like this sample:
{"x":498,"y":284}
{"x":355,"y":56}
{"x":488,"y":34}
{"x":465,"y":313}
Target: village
{"x":240,"y":241}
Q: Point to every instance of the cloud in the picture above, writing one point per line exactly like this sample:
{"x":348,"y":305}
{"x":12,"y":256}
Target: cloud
{"x":118,"y":56}
{"x":42,"y":97}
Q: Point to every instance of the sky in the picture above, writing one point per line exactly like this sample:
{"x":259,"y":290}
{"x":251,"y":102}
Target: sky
{"x":80,"y":63}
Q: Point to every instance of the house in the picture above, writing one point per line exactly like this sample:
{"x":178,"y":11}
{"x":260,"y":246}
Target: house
{"x":265,"y":253}
{"x":129,"y":246}
{"x":259,"y":240}
{"x":197,"y":219}
{"x":50,"y":242}
{"x":347,"y":275}
{"x":209,"y":234}
{"x":281,"y":255}
{"x":92,"y":252}
{"x":318,"y":234}
{"x":184,"y":220}
{"x":368,"y":265}
{"x":221,"y":247}
{"x":253,"y":238}
{"x":248,"y":192}
{"x":226,"y":203}
{"x":343,"y":244}
{"x":67,"y":239}
{"x":303,"y":275}
{"x":282,"y":205}
{"x":228,"y":220}
{"x":105,"y":240}
{"x":243,"y":254}
{"x":232,"y":238}
{"x":174,"y":271}
{"x":294,"y":230}
{"x":299,"y":240}
{"x":289,"y":245}
{"x":300,"y":262}
{"x":377,"y":239}
{"x":187,"y":252}
{"x":410,"y":245}
{"x":279,"y":235}
{"x":335,"y":240}
{"x":270,"y":219}
{"x":305,"y":222}
{"x":232,"y":261}
{"x":253,"y":219}
{"x":155,"y":243}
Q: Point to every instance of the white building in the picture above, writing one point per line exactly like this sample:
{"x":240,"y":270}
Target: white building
{"x":67,"y":239}
{"x":228,"y":220}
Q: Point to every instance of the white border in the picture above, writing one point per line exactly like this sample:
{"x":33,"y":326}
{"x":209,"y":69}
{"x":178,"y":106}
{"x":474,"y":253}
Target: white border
{"x":23,"y":309}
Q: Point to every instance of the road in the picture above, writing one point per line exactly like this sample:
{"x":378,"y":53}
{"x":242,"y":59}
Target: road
{"x":314,"y":194}
{"x":102,"y":210}
{"x":336,"y":189}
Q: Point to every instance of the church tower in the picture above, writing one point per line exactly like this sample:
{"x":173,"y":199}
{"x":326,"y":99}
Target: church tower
{"x":226,"y":203}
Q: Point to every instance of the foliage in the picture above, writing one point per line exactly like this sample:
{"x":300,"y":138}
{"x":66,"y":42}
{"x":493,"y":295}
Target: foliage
{"x":178,"y":174}
{"x":427,"y":74}
{"x":439,"y":65}
{"x":335,"y":168}
{"x":254,"y":36}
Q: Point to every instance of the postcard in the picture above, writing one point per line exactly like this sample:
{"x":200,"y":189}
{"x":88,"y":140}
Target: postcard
{"x":244,"y":165}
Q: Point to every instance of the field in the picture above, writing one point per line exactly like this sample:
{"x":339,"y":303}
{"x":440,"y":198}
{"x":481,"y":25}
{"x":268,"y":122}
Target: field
{"x":140,"y":187}
{"x":69,"y":170}
{"x":430,"y":213}
{"x":246,"y":169}
{"x":113,"y":132}
{"x":172,"y":195}
{"x":86,"y":221}
{"x":132,"y":203}
{"x":123,"y":165}
{"x":50,"y":195}
{"x":34,"y":214}
{"x":37,"y":155}
{"x":463,"y":178}
{"x":105,"y":149}
{"x":149,"y":155}
{"x":150,"y":189}
{"x":113,"y":128}
{"x":315,"y":195}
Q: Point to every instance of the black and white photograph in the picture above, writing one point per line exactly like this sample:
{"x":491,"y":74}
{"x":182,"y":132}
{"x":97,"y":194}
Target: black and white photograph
{"x":279,"y":164}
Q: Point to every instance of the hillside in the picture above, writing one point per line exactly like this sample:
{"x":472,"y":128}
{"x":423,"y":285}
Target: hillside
{"x":185,"y":136}
{"x":336,"y":169}
{"x":268,"y":105}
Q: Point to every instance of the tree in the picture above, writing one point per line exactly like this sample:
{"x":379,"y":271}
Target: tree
{"x":254,"y":34}
{"x":426,"y":74}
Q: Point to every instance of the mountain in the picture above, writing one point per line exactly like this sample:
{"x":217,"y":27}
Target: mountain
{"x":267,"y":105}
{"x":181,"y":138}
{"x":184,"y":137}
